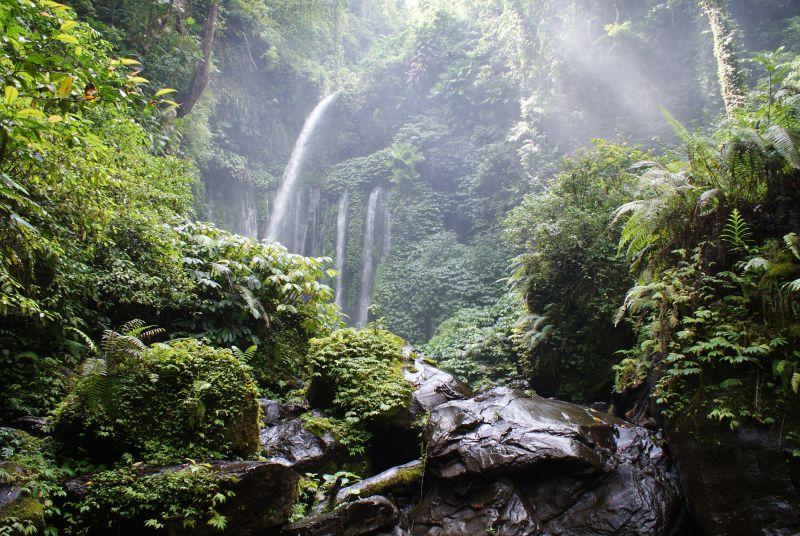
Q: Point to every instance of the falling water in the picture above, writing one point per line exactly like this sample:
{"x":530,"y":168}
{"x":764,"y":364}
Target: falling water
{"x":280,"y":219}
{"x":368,"y":257}
{"x":341,"y":246}
{"x":250,"y":223}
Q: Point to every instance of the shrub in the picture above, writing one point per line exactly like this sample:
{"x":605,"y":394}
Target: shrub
{"x":176,"y":499}
{"x":359,"y":374}
{"x":172,"y":401}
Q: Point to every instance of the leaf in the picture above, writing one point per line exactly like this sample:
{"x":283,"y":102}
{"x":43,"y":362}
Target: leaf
{"x":138,"y":79}
{"x":165,"y":91}
{"x":68,"y":25}
{"x":67,"y":38}
{"x":129,"y":61}
{"x":11,"y":94}
{"x":54,"y":118}
{"x":65,"y":87}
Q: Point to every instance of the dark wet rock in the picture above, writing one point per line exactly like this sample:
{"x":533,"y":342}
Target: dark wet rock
{"x":292,"y":443}
{"x":397,"y":442}
{"x":432,"y":388}
{"x":274,"y":412}
{"x":36,"y":426}
{"x":404,"y":479}
{"x":263,"y":496}
{"x":474,"y":507}
{"x":364,"y":517}
{"x":504,"y":430}
{"x":517,"y":465}
{"x":740,"y":482}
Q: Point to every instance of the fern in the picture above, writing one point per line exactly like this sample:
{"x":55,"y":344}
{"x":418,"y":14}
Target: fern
{"x":737,"y":232}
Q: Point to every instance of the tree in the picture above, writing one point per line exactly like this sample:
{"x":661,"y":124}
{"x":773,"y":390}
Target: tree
{"x":728,"y":68}
{"x":201,"y":74}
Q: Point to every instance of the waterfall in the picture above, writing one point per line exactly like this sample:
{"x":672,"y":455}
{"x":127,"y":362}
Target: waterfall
{"x":250,"y":223}
{"x":287,"y":204}
{"x":341,"y":246}
{"x":368,"y":256}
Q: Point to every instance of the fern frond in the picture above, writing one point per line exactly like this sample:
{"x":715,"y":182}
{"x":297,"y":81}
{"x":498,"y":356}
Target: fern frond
{"x":784,"y":144}
{"x":791,"y":241}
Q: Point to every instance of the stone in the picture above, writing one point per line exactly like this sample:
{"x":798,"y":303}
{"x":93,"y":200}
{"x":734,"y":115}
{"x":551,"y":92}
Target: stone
{"x":403,"y":479}
{"x":16,"y":504}
{"x":508,"y":464}
{"x":504,"y":430}
{"x":364,"y":517}
{"x":432,"y":388}
{"x":474,"y":507}
{"x":741,"y":481}
{"x":292,"y":443}
{"x":273,"y":412}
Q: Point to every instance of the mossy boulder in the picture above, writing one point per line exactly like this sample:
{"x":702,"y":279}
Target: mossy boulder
{"x":179,"y":400}
{"x":359,"y":375}
{"x":241,"y":497}
{"x":19,"y":511}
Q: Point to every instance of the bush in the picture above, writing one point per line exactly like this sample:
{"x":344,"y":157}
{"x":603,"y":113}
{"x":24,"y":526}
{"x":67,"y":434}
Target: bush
{"x":359,"y":374}
{"x":173,"y":401}
{"x":176,"y":499}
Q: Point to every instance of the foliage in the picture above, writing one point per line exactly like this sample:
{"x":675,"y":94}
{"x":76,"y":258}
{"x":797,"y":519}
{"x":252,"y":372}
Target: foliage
{"x":712,"y":237}
{"x":174,"y":499}
{"x":571,"y":275}
{"x":164,"y":403}
{"x":29,"y":464}
{"x":344,"y":363}
{"x":476,"y":344}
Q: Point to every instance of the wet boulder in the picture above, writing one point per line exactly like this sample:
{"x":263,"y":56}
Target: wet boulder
{"x":19,"y":507}
{"x":504,"y":430}
{"x":474,"y":507}
{"x":298,"y":444}
{"x":396,"y":482}
{"x":742,"y":481}
{"x":274,"y":412}
{"x":511,"y":464}
{"x":364,"y":517}
{"x":432,"y":388}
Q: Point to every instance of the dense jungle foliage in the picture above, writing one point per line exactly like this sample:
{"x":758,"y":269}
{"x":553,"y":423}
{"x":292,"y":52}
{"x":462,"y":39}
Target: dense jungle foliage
{"x":597,"y":201}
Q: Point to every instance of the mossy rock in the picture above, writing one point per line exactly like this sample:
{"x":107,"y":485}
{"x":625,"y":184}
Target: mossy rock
{"x":19,"y":510}
{"x":359,"y":374}
{"x":178,"y":400}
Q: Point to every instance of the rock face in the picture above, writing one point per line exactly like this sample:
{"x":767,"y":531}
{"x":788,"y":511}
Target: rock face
{"x":505,"y":464}
{"x":364,"y":517}
{"x":274,"y":412}
{"x":16,"y":504}
{"x":738,"y":482}
{"x":519,"y":465}
{"x":432,"y":387}
{"x":290,"y":442}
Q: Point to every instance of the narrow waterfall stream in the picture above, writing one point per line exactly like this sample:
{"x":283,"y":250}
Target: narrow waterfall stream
{"x":370,"y":255}
{"x":341,"y":246}
{"x":287,"y":207}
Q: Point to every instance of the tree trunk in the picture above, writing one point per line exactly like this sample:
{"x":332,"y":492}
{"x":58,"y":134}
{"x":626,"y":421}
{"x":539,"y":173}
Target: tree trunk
{"x":728,"y":69}
{"x":201,"y":73}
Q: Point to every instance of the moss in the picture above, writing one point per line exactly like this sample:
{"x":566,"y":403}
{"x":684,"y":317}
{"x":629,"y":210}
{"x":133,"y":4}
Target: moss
{"x":182,"y":400}
{"x":25,"y":511}
{"x":404,"y":477}
{"x":359,"y":374}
